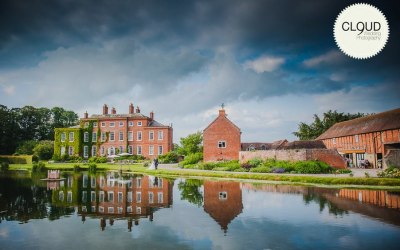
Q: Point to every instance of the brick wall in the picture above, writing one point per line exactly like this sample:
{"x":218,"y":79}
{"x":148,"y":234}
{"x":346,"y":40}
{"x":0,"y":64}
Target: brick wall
{"x":221,"y":129}
{"x":331,"y":157}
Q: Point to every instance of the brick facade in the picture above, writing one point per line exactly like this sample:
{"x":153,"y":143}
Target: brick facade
{"x":132,"y":133}
{"x":221,"y":140}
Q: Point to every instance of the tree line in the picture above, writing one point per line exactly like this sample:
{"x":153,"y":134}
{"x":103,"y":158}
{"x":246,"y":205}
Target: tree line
{"x":19,"y":125}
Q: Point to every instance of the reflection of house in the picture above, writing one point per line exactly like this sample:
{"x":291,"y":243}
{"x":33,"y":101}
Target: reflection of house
{"x":222,"y":201}
{"x":112,"y":133}
{"x":132,"y":198}
{"x":366,"y":138}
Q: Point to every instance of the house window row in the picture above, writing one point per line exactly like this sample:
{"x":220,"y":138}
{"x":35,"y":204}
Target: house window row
{"x":160,"y":136}
{"x":120,"y":124}
{"x":71,"y":136}
{"x":70,"y":150}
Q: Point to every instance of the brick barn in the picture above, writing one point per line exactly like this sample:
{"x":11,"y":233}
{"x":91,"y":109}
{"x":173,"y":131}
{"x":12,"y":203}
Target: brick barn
{"x":375,"y":138}
{"x":221,"y":139}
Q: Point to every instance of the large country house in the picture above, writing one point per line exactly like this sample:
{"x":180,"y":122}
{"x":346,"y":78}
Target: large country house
{"x":111,"y":133}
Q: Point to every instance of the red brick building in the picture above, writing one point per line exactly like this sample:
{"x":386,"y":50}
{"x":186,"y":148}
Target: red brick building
{"x":372,"y":138}
{"x":221,"y":139}
{"x":112,"y":133}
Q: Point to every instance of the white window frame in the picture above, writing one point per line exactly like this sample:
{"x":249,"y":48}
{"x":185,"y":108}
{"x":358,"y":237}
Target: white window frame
{"x":151,"y":135}
{"x":151,"y":197}
{"x":160,"y":150}
{"x":221,"y":144}
{"x":93,"y":196}
{"x":86,"y":124}
{"x":139,"y":182}
{"x":71,"y":136}
{"x":94,"y":136}
{"x":112,"y":124}
{"x":110,"y":210}
{"x":120,"y":197}
{"x":94,"y":150}
{"x":110,"y":196}
{"x":139,"y":136}
{"x":63,"y":137}
{"x":103,"y":124}
{"x":101,"y":196}
{"x":151,"y":149}
{"x":94,"y":124}
{"x":160,"y":135}
{"x":121,"y":149}
{"x":160,"y":197}
{"x":112,"y":136}
{"x":103,"y":137}
{"x":121,"y":124}
{"x":131,"y":124}
{"x":223,"y":195}
{"x":129,"y":196}
{"x":121,"y":136}
{"x":86,"y":137}
{"x":102,"y":151}
{"x":130,"y":135}
{"x":138,"y":197}
{"x":139,"y":123}
{"x":139,"y":150}
{"x":62,"y":151}
{"x":70,"y":150}
{"x":130,"y":149}
{"x":85,"y":151}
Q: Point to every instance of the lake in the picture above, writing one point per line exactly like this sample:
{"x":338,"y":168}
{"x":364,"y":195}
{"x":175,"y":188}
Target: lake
{"x":119,"y":211}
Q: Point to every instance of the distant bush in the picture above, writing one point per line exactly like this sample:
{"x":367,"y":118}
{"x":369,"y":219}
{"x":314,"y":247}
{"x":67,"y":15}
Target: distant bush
{"x":44,"y":149}
{"x":192,"y":158}
{"x":391,"y":172}
{"x":26,"y":148}
{"x":311,"y":167}
{"x":39,"y":167}
{"x":14,"y":159}
{"x":77,"y":167}
{"x":97,"y":159}
{"x":75,"y":159}
{"x":35,"y":158}
{"x":92,"y":167}
{"x":261,"y":169}
{"x":4,"y":166}
{"x":170,"y":157}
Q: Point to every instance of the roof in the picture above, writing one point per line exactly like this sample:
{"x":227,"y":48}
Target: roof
{"x":224,"y":116}
{"x":284,"y":144}
{"x":304,"y":144}
{"x":263,"y":145}
{"x":134,"y":115}
{"x":372,"y":123}
{"x":155,"y":123}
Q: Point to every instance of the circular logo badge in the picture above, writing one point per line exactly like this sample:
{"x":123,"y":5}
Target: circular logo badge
{"x":361,"y":31}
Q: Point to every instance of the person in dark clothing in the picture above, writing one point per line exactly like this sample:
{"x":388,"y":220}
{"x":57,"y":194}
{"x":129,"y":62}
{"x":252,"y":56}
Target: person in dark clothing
{"x":156,"y":162}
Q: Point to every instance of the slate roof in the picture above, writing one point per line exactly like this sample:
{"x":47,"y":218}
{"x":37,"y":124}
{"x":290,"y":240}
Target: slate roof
{"x":284,"y":144}
{"x":134,"y":115}
{"x":372,"y":123}
{"x":304,"y":144}
{"x":259,"y":145}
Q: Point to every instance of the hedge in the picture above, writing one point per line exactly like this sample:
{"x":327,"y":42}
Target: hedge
{"x":14,"y":159}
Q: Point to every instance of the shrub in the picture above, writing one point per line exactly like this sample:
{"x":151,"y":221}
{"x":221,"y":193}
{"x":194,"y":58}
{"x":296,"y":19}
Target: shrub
{"x":44,"y":149}
{"x":92,"y":167}
{"x":192,"y":158}
{"x":64,"y":157}
{"x":261,"y":169}
{"x":341,"y":171}
{"x":75,"y":158}
{"x":39,"y":167}
{"x":255,"y":162}
{"x":4,"y":166}
{"x":77,"y":167}
{"x":146,"y":164}
{"x":26,"y":147}
{"x":35,"y":158}
{"x":170,"y":157}
{"x":311,"y":167}
{"x":13,"y":159}
{"x":95,"y":159}
{"x":391,"y":172}
{"x":56,"y":158}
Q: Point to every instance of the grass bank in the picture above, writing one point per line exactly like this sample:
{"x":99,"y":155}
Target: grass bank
{"x":287,"y":178}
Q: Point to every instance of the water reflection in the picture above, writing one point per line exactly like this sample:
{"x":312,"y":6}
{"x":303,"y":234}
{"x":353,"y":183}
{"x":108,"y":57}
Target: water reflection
{"x":111,"y":196}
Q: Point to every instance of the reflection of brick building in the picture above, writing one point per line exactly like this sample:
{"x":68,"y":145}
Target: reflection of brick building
{"x":132,"y":198}
{"x":221,"y":139}
{"x":222,"y":201}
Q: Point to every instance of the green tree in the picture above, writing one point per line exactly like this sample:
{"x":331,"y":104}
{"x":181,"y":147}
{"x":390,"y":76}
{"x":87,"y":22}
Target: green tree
{"x":44,"y":150}
{"x":191,"y":144}
{"x":319,"y":126}
{"x":26,"y":147}
{"x":190,"y":191}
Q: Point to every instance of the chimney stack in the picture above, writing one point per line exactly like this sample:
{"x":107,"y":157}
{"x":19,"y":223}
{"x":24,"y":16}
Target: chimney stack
{"x":137,"y":109}
{"x":105,"y":109}
{"x":152,"y":115}
{"x":85,"y":115}
{"x":113,"y":111}
{"x":131,"y":109}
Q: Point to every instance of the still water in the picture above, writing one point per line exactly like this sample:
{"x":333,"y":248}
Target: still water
{"x":109,"y":211}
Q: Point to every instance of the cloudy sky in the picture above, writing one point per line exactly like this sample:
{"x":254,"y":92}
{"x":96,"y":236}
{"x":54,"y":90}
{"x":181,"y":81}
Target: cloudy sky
{"x":273,"y":63}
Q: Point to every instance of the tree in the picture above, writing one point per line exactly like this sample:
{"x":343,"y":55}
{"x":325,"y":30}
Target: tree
{"x":26,"y":147}
{"x":44,"y":150}
{"x":190,"y":191}
{"x":319,"y":126}
{"x":191,"y":144}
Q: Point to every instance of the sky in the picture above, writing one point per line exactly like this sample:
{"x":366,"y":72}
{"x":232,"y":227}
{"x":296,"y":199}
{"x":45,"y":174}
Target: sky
{"x":272,"y":63}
